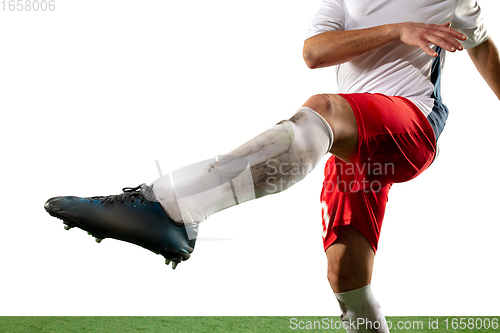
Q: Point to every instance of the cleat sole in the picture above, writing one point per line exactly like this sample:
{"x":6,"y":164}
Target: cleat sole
{"x":171,"y":256}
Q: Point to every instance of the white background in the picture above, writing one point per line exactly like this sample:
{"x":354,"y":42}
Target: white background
{"x":96,"y":91}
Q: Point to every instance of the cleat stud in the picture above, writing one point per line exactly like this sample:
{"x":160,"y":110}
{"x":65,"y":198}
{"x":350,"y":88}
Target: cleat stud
{"x":167,"y":261}
{"x":174,"y":264}
{"x":98,"y":240}
{"x":88,"y":233}
{"x":67,"y":227}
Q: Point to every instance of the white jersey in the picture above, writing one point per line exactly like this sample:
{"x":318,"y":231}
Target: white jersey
{"x":397,"y":69}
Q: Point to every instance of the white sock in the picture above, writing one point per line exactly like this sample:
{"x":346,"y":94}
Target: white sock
{"x":361,"y":312}
{"x":270,"y":163}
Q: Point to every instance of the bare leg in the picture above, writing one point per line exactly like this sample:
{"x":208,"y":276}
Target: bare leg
{"x":350,"y":258}
{"x":350,"y":261}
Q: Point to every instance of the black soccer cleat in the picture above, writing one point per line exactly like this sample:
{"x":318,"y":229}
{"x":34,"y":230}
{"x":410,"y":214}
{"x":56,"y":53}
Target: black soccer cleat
{"x":129,"y":217}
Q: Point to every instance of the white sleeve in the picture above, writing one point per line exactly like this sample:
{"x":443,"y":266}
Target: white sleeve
{"x":469,"y":21}
{"x":330,"y":17}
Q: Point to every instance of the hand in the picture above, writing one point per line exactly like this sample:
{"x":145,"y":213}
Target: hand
{"x":421,"y":35}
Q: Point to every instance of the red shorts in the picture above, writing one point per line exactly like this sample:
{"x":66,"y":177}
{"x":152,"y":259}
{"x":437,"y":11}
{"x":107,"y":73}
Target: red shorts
{"x":396,"y":143}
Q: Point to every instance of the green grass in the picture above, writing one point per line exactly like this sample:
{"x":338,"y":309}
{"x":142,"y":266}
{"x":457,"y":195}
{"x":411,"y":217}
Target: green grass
{"x":214,"y":324}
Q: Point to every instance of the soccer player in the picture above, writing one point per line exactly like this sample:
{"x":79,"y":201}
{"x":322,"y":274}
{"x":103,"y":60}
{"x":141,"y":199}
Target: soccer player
{"x":382,"y":129}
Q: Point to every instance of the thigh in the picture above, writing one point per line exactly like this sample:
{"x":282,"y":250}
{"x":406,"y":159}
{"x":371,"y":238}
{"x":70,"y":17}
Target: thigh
{"x":350,"y":260}
{"x":396,"y":142}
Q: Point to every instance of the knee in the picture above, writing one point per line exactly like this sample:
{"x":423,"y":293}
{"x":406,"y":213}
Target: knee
{"x":350,"y":261}
{"x":333,"y":278}
{"x":340,"y":278}
{"x":328,"y":104}
{"x":340,"y":116}
{"x":321,"y":103}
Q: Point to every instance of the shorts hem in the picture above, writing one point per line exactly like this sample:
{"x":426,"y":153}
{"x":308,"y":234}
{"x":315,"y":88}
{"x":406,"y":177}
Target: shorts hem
{"x":345,"y":223}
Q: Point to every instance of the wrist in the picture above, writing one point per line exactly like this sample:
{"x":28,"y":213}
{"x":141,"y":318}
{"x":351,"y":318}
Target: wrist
{"x":394,"y":31}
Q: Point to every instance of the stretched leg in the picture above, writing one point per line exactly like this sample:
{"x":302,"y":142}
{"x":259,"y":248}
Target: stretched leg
{"x":269,"y":163}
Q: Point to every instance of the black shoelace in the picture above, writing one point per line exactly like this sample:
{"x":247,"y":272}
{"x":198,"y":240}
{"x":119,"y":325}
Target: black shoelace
{"x":129,"y":193}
